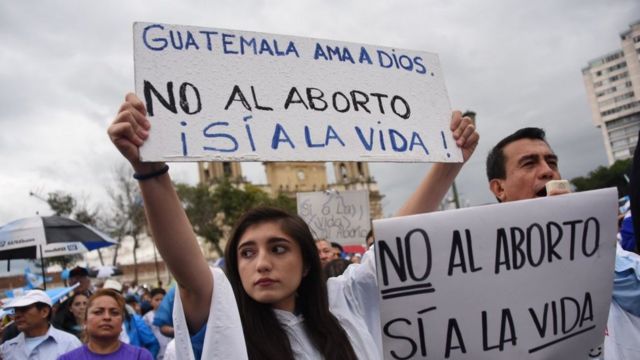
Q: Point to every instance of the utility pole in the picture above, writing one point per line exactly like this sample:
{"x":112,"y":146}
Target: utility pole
{"x":472,"y":115}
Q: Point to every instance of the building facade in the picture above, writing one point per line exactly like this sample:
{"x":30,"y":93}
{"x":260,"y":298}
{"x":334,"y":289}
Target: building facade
{"x":612,"y":82}
{"x":290,"y":178}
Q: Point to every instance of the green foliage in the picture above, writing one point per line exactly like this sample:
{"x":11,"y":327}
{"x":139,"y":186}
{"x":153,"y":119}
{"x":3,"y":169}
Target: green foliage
{"x":61,"y":203}
{"x":64,"y":204}
{"x":213,"y":212}
{"x":604,"y":177}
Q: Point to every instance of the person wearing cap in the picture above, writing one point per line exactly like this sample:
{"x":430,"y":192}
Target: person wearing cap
{"x":79,"y":275}
{"x":38,"y":340}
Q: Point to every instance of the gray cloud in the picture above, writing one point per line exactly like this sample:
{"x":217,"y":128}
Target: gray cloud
{"x":66,"y":65}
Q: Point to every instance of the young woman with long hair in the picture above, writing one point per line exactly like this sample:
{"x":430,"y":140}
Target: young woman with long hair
{"x":73,"y":319}
{"x":273,"y":302}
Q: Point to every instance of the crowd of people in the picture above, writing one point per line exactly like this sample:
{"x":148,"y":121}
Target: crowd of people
{"x":282,"y":293}
{"x":107,"y":321}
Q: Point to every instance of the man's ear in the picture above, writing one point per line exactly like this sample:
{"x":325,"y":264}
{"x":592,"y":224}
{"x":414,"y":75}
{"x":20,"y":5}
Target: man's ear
{"x":495,"y":185}
{"x":45,"y":311}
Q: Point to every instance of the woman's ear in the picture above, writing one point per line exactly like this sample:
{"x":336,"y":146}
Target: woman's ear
{"x":305,"y":271}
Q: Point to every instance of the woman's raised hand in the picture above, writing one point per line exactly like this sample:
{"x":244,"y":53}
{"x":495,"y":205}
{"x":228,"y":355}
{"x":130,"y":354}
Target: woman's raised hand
{"x":129,"y":130}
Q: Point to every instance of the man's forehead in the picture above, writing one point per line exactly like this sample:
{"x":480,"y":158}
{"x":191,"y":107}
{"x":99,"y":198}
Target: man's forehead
{"x":525,"y":147}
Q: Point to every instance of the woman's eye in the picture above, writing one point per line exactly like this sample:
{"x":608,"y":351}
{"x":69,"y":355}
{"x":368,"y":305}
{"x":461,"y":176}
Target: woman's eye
{"x":279,"y":249}
{"x":246,"y":253}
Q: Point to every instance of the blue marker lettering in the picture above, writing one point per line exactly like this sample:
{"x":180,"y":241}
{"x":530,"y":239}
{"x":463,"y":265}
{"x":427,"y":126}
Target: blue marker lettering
{"x":183,"y":137}
{"x":307,"y":137}
{"x":159,"y":40}
{"x":332,"y":134}
{"x":394,"y":135}
{"x":367,"y":145}
{"x":280,"y":135}
{"x":264,"y":47}
{"x":292,"y":48}
{"x":208,"y":35}
{"x":319,"y":53}
{"x":206,"y":133}
{"x":251,"y":44}
{"x":417,"y":140}
{"x":420,"y":68}
{"x":226,"y":42}
{"x":248,"y":128}
{"x":176,"y":35}
{"x":364,"y":56}
{"x":191,"y":41}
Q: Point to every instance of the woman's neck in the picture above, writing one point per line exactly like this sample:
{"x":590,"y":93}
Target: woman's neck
{"x":103,"y":346}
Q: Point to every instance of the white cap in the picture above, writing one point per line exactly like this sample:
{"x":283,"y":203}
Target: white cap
{"x":29,"y":298}
{"x":112,"y":284}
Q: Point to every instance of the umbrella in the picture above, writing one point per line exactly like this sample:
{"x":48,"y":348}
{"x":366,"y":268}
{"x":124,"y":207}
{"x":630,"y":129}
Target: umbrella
{"x":48,"y":236}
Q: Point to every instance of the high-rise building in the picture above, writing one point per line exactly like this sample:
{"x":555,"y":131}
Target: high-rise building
{"x":613,"y":88}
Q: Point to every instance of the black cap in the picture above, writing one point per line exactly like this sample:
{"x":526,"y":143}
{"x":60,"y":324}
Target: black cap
{"x":78,"y":271}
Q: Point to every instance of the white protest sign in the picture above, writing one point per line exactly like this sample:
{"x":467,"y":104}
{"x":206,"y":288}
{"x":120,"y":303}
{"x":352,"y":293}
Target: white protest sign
{"x":215,"y":94}
{"x":523,"y":280}
{"x":342,"y":217}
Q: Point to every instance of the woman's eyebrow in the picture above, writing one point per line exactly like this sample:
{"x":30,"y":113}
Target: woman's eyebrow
{"x":277,"y":239}
{"x":246,"y":243}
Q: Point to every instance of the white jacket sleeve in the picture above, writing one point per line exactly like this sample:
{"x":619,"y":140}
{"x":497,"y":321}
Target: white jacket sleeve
{"x":224,"y":338}
{"x":355,"y":300}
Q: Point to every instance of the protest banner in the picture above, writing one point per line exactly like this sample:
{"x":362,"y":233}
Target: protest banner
{"x":215,"y":94}
{"x":338,"y":216}
{"x":529,"y":279}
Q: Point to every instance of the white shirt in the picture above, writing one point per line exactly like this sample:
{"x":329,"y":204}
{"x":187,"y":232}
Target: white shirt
{"x":353,"y":300}
{"x":56,"y":343}
{"x":162,"y":340}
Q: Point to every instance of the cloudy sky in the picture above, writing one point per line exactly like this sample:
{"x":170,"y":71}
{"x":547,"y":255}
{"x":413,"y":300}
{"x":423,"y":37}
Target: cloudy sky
{"x":66,"y":65}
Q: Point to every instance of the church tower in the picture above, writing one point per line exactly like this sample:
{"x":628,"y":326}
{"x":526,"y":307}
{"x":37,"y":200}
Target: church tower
{"x":351,"y":172}
{"x":355,"y":175}
{"x":291,"y":177}
{"x":210,"y":172}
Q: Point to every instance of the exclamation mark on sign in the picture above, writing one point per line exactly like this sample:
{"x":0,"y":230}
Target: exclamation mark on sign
{"x":444,"y":141}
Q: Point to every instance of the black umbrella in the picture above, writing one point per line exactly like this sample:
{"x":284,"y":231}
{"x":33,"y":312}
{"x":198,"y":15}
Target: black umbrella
{"x":48,"y":236}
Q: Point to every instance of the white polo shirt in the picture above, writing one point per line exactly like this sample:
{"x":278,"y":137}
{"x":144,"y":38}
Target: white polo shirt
{"x":56,"y":342}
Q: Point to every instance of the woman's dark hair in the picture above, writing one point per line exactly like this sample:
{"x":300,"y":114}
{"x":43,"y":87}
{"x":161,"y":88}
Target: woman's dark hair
{"x":264,"y":336}
{"x":69,"y":323}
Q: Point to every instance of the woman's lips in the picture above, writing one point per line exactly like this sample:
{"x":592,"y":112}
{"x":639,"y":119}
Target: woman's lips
{"x":265,"y":282}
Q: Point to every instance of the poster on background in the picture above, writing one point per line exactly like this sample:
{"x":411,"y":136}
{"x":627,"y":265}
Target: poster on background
{"x":337,"y":216}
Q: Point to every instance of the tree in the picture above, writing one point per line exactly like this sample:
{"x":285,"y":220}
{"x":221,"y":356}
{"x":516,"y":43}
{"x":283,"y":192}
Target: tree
{"x":213,"y":212}
{"x":64,"y":204}
{"x":603,"y":177}
{"x":61,"y":203}
{"x":128,"y":218}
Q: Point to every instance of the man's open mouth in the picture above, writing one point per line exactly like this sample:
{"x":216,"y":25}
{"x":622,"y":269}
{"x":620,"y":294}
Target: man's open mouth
{"x":542,"y":192}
